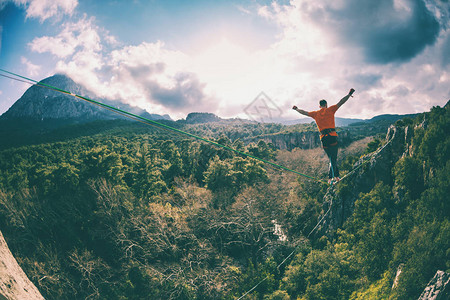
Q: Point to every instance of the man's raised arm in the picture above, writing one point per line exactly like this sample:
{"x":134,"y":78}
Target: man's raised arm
{"x":303,"y":112}
{"x":343,"y":100}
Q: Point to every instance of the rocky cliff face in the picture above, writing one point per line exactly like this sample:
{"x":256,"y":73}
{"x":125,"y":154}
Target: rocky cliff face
{"x":368,"y":172}
{"x":14,"y":283}
{"x":303,"y":140}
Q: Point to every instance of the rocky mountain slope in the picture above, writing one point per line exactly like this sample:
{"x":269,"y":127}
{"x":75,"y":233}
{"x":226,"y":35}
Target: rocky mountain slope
{"x":389,"y":198}
{"x":369,"y":170}
{"x":39,"y":103}
{"x":303,"y":140}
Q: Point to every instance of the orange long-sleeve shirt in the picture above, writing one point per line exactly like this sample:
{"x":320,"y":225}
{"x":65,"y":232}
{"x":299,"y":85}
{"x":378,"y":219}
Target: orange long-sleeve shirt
{"x":325,"y":118}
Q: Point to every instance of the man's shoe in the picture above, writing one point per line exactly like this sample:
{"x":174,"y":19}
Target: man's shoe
{"x":330,"y":181}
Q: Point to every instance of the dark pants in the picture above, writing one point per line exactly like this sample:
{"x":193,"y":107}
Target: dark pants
{"x":330,"y":145}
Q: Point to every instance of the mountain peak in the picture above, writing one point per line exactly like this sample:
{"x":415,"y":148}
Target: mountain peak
{"x":40,"y":103}
{"x":59,"y":80}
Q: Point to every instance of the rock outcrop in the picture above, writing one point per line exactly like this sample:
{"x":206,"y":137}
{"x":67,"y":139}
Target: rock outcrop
{"x":438,"y":288}
{"x":303,"y":140}
{"x":200,"y":118}
{"x":14,"y":283}
{"x":368,"y":171}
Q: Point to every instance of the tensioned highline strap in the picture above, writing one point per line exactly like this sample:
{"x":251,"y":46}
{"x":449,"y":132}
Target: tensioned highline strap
{"x":157,"y":124}
{"x":152,"y":122}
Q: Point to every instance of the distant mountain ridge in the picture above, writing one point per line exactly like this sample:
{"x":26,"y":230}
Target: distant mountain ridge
{"x":45,"y":104}
{"x":39,"y":103}
{"x":342,"y":122}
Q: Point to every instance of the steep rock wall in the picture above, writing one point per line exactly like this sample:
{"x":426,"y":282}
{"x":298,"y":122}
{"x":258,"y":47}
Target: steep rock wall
{"x":303,"y":140}
{"x":369,"y":171}
{"x":14,"y":283}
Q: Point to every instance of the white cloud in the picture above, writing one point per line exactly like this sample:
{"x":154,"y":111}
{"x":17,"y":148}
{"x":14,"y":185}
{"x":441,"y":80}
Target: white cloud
{"x":153,"y":77}
{"x":82,"y":35}
{"x":32,"y":69}
{"x":45,"y":9}
{"x":243,"y":10}
{"x":308,"y":62}
{"x":316,"y":63}
{"x":147,"y":75}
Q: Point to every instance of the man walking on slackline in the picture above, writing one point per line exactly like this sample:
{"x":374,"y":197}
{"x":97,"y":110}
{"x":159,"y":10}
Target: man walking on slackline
{"x":325,"y":122}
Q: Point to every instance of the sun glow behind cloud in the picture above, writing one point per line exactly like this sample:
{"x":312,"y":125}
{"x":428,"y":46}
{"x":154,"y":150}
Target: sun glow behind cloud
{"x":322,"y":48}
{"x":230,"y":70}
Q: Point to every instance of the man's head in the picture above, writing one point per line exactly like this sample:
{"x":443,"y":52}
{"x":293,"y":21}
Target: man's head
{"x":323,"y":103}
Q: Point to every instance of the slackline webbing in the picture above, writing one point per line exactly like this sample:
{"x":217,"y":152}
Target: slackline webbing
{"x":151,"y":122}
{"x":160,"y":125}
{"x":318,"y":223}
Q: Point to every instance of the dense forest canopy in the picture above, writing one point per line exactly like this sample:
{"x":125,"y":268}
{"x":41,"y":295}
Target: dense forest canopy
{"x":135,"y":213}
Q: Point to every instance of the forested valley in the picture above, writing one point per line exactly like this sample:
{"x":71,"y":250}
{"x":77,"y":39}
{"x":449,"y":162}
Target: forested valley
{"x":136,"y":212}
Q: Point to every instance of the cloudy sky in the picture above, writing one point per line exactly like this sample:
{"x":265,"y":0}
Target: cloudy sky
{"x":177,"y":57}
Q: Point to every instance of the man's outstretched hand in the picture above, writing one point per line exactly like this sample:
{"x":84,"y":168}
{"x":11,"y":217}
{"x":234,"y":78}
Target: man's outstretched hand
{"x":351,"y":92}
{"x":294,"y":107}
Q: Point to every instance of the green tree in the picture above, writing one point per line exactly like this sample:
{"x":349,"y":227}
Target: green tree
{"x":147,"y":181}
{"x":408,"y":182}
{"x":219,"y":176}
{"x":170,"y":153}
